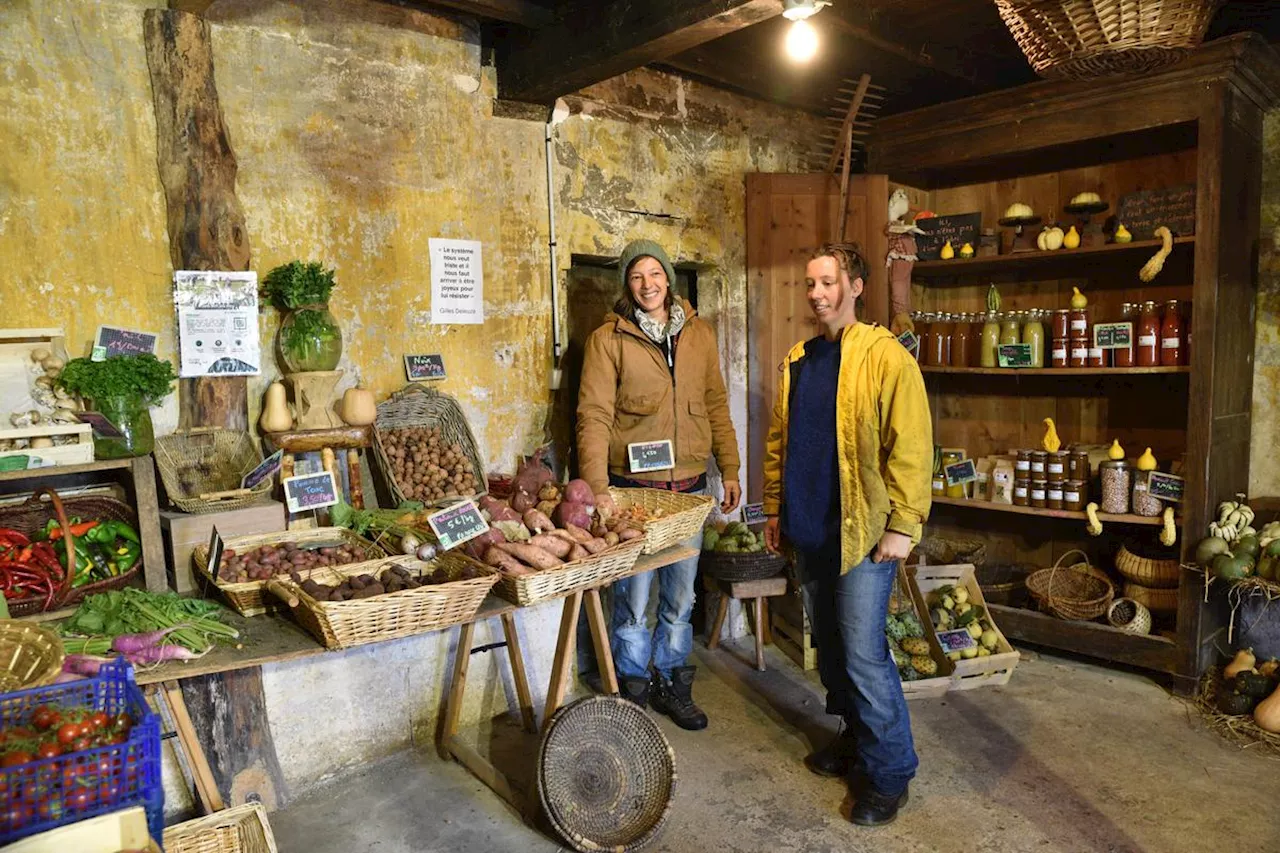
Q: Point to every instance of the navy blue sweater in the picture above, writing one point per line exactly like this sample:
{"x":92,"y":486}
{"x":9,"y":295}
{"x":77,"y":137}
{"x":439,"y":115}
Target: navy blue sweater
{"x":811,"y":479}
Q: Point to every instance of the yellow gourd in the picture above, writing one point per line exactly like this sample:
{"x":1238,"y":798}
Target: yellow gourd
{"x":947,"y":252}
{"x":275,"y":411}
{"x":1267,"y":714}
{"x":1072,"y":240}
{"x":1123,"y":235}
{"x":1243,"y":662}
{"x":966,"y":251}
{"x":1051,"y":441}
{"x":1115,"y":451}
{"x":1078,"y":299}
{"x":358,"y":408}
{"x":1147,"y":461}
{"x":1168,"y":530}
{"x":1093,"y":525}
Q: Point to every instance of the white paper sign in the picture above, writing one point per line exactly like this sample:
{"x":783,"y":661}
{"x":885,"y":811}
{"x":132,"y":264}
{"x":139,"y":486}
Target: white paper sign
{"x":457,"y":282}
{"x":217,"y":323}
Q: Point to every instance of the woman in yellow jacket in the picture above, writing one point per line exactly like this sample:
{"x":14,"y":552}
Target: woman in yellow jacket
{"x":652,"y":373}
{"x":847,"y":474}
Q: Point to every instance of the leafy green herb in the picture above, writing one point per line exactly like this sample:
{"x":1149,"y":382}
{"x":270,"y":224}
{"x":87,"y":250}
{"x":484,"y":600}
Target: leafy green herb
{"x":307,"y":336}
{"x":135,"y":611}
{"x":141,"y":375}
{"x":295,"y":284}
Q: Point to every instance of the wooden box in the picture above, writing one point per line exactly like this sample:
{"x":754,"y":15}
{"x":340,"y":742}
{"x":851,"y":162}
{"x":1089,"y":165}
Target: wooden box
{"x":17,"y":373}
{"x":108,"y":833}
{"x":184,"y":531}
{"x":79,"y":453}
{"x":926,"y":688}
{"x":997,"y":668}
{"x":791,"y":632}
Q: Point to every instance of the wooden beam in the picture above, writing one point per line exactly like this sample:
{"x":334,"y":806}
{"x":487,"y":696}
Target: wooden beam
{"x":521,"y":12}
{"x":193,"y":7}
{"x":936,"y":61}
{"x":604,"y":40}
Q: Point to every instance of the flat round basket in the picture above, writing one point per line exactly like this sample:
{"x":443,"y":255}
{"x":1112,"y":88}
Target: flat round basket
{"x":1073,"y":591}
{"x":1161,"y":574}
{"x":731,"y":568}
{"x":202,"y":468}
{"x":31,"y":655}
{"x":606,"y":775}
{"x":1087,"y":39}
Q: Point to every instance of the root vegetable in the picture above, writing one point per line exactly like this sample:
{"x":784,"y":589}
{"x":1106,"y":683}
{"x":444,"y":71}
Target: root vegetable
{"x":611,"y":539}
{"x":553,"y":545}
{"x":628,"y":533}
{"x":595,"y":546}
{"x":578,"y":491}
{"x":537,"y":521}
{"x":547,"y":507}
{"x":513,"y":531}
{"x":569,"y":512}
{"x":503,"y":561}
{"x":502,"y":512}
{"x":579,"y":535}
{"x":577,"y":552}
{"x":523,"y":501}
{"x":549,"y":493}
{"x":530,"y":555}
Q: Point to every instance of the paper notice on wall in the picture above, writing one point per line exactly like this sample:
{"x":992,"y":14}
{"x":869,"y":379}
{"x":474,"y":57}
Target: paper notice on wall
{"x":217,"y":323}
{"x":457,"y":282}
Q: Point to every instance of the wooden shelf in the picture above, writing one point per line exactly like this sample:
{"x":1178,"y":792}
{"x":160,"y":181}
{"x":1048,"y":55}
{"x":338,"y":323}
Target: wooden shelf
{"x":1086,"y":638}
{"x":991,"y":506}
{"x":67,"y":470}
{"x":1063,"y":263}
{"x":1059,"y":371}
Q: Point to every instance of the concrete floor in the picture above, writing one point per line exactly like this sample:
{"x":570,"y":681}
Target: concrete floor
{"x":1067,"y":757}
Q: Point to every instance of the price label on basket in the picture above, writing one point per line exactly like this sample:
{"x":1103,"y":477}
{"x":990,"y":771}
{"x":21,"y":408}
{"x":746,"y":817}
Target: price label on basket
{"x":216,"y":548}
{"x":753,"y":514}
{"x":266,"y":468}
{"x":310,"y":491}
{"x":1166,"y":487}
{"x":956,"y":641}
{"x":650,"y":456}
{"x":457,"y":524}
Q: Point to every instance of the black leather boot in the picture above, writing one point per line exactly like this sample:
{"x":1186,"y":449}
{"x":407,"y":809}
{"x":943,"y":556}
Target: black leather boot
{"x":675,"y":698}
{"x":836,"y":758}
{"x":876,"y":809}
{"x":635,"y":689}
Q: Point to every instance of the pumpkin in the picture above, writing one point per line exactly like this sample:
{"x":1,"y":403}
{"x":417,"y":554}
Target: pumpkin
{"x":1230,"y":568}
{"x":1269,"y":668}
{"x":1267,"y":714}
{"x":275,"y":411}
{"x":358,"y":408}
{"x":1049,"y":239}
{"x":1244,"y":660}
{"x":1235,"y":704}
{"x":1253,"y":684}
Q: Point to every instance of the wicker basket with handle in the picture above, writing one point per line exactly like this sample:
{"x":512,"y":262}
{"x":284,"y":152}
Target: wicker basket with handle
{"x":202,"y":469}
{"x":418,"y":406}
{"x":239,"y":829}
{"x":1069,"y":592}
{"x":31,"y":655}
{"x":1086,"y":39}
{"x":431,"y":607}
{"x":596,"y":570}
{"x":249,"y":597}
{"x":672,"y":517}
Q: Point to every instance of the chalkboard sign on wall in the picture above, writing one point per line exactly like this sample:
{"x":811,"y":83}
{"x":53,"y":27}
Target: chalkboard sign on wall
{"x":1145,"y":211}
{"x":959,"y":228}
{"x":116,"y":341}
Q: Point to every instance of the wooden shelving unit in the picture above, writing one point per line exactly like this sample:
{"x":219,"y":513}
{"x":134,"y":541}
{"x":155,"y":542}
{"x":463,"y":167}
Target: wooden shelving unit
{"x":989,"y":506}
{"x":1199,"y":123}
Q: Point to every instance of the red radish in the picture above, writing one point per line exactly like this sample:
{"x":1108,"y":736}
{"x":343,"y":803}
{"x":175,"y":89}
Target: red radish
{"x":132,"y":643}
{"x":83,"y":664}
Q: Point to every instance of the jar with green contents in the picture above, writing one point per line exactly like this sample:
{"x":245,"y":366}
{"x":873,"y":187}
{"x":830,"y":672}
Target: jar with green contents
{"x":951,"y":456}
{"x":939,"y":485}
{"x":1010,"y":328}
{"x":989,"y":341}
{"x":1033,"y":333}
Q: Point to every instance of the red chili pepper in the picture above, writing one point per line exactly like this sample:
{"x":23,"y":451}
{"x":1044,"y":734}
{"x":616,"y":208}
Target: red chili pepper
{"x":14,"y":536}
{"x":76,"y":530}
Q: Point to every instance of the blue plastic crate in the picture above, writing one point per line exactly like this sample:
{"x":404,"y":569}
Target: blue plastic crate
{"x":50,"y":792}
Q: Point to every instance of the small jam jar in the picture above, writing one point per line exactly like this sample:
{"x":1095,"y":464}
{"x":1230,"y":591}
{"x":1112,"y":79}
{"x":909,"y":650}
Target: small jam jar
{"x":1038,"y":460}
{"x":1079,"y":322}
{"x":1021,"y":491}
{"x":1053,"y":496}
{"x":1039,"y":488}
{"x":1055,"y":469}
{"x":1078,"y":465}
{"x":1074,"y":496}
{"x":1078,"y":354}
{"x":1058,"y":353}
{"x":1097,"y":357}
{"x":1061,"y":323}
{"x":1022,"y":465}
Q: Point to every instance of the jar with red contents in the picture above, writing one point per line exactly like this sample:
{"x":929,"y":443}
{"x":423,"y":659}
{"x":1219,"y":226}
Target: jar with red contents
{"x":1058,"y":352}
{"x":1171,"y":335}
{"x":1147,"y":334}
{"x":1078,"y":353}
{"x":1125,"y":356}
{"x":1061,"y":324}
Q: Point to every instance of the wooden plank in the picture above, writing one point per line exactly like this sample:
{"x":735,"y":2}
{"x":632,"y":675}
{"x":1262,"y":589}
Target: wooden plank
{"x":312,"y":440}
{"x":457,"y":688}
{"x":722,"y":610}
{"x":147,"y":504}
{"x":757,"y":588}
{"x":759,"y":632}
{"x":524,"y":696}
{"x":1087,"y":638}
{"x":522,"y":12}
{"x":1059,"y":264}
{"x":59,"y":471}
{"x":600,"y":638}
{"x":934,"y":56}
{"x":1057,"y":371}
{"x":563,"y":662}
{"x":607,"y":39}
{"x":483,"y":769}
{"x":991,"y":506}
{"x":206,"y":785}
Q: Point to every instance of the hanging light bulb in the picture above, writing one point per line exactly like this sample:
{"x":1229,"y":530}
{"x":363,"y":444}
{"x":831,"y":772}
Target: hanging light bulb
{"x":802,"y":41}
{"x":798,"y":10}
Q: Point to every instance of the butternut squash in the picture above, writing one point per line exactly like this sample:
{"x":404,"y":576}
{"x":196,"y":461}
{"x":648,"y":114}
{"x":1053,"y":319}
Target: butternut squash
{"x":358,"y":408}
{"x":275,"y":411}
{"x":1243,"y":662}
{"x":1267,"y":714}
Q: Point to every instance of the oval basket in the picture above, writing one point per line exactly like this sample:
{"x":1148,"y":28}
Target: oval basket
{"x":1069,"y":592}
{"x":31,"y":654}
{"x":1160,"y":601}
{"x":1087,"y":39}
{"x":201,"y":463}
{"x":672,"y":517}
{"x":1161,"y":574}
{"x":731,"y":568}
{"x":606,"y":775}
{"x":596,"y":570}
{"x":418,"y":406}
{"x":1130,"y":616}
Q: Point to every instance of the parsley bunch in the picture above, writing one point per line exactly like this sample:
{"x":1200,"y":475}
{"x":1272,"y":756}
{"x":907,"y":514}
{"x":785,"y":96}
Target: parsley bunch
{"x":295,"y":284}
{"x":141,"y":375}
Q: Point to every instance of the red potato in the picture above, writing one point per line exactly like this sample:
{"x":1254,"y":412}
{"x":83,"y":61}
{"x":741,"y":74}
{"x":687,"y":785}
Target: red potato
{"x":568,"y":513}
{"x":537,"y":522}
{"x":579,"y":535}
{"x":531,"y":555}
{"x":503,"y":561}
{"x":578,"y":491}
{"x":553,"y":545}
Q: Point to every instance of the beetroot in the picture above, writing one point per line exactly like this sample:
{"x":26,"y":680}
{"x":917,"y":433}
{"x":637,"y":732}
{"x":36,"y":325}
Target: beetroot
{"x":571,"y":512}
{"x":502,"y":512}
{"x":579,"y":492}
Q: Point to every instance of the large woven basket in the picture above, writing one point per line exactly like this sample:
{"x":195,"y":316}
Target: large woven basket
{"x":343,"y":624}
{"x":30,"y":655}
{"x":34,"y":514}
{"x":596,"y":570}
{"x":1086,"y":39}
{"x":673,"y":517}
{"x":249,"y":598}
{"x":606,"y":775}
{"x":419,"y":406}
{"x":951,"y":550}
{"x":735,"y":567}
{"x":1069,"y":592}
{"x":1156,"y":600}
{"x":239,"y":829}
{"x":208,"y":461}
{"x":1162,"y":574}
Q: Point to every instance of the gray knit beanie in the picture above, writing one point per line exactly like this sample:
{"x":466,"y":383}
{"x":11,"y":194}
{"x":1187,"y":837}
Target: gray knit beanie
{"x":639,"y":249}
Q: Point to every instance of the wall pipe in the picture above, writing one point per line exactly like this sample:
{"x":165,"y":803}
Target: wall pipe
{"x":556,"y":344}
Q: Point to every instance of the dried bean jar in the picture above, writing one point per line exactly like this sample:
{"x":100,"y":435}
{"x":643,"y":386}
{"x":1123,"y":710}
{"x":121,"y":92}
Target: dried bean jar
{"x":1116,"y":477}
{"x":1143,"y":502}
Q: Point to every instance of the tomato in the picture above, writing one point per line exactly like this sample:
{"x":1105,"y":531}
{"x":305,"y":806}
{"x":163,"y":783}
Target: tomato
{"x":16,"y":757}
{"x":117,"y":739}
{"x":67,"y":733}
{"x":78,"y":801}
{"x":123,"y":722}
{"x":80,"y":744}
{"x":42,"y":718}
{"x":86,"y":728}
{"x":100,"y":721}
{"x":49,"y":750}
{"x":50,"y":809}
{"x":108,"y":792}
{"x":17,"y":816}
{"x":20,"y":733}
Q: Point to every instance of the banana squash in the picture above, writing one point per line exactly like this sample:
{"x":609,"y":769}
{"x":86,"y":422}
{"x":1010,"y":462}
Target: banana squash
{"x":1267,"y":713}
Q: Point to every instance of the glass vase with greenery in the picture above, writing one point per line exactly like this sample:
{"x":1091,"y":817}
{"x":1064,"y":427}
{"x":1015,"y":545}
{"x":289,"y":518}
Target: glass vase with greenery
{"x":309,"y":338}
{"x":123,"y":388}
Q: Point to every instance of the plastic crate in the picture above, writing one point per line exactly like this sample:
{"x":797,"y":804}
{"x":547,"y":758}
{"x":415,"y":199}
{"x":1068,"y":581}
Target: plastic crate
{"x":51,"y":792}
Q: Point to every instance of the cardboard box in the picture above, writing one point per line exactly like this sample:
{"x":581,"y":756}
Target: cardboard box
{"x":183,"y":532}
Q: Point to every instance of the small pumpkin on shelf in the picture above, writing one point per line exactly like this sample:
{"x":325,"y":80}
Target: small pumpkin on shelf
{"x":1243,"y":661}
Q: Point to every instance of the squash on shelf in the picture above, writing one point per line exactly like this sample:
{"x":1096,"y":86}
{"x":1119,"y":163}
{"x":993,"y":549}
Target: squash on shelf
{"x":275,"y":411}
{"x":358,"y":408}
{"x":1267,"y":714}
{"x":1242,"y":662}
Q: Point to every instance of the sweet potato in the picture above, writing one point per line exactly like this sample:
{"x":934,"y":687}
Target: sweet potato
{"x":563,"y":534}
{"x":523,"y":501}
{"x":579,"y":535}
{"x":537,"y":522}
{"x":503,"y":561}
{"x":531,"y":555}
{"x":502,"y":512}
{"x":569,"y":512}
{"x":626,"y":534}
{"x":553,"y":545}
{"x":595,"y":546}
{"x":577,"y":552}
{"x":611,"y":539}
{"x":578,"y":491}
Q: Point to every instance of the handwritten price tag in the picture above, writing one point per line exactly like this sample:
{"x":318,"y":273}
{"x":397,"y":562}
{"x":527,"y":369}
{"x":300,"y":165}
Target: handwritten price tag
{"x":651,"y":456}
{"x":266,"y":468}
{"x":310,"y":491}
{"x":457,"y":524}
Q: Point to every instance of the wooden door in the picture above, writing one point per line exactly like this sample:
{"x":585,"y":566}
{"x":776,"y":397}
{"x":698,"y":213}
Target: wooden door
{"x":787,"y":217}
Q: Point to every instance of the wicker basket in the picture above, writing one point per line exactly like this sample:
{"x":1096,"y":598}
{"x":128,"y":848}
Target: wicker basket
{"x":1071,"y":591}
{"x":674,"y":517}
{"x":418,"y":406}
{"x":950,"y":551}
{"x":32,"y":516}
{"x":239,"y":829}
{"x":1160,"y":601}
{"x":1162,"y":574}
{"x":735,"y":567}
{"x":207,"y":461}
{"x":1130,"y":616}
{"x":249,"y":597}
{"x":31,"y":654}
{"x":1086,"y":39}
{"x":343,"y":624}
{"x":596,"y":570}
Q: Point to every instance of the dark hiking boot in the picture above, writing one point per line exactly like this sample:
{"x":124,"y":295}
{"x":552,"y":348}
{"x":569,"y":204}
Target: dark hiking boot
{"x":634,"y":689}
{"x":836,"y":758}
{"x":876,"y":809}
{"x":675,"y":698}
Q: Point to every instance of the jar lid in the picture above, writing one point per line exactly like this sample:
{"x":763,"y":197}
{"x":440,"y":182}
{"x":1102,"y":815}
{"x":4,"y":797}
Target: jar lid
{"x":1062,"y":453}
{"x":1076,"y":483}
{"x":1113,"y":463}
{"x":1039,"y":453}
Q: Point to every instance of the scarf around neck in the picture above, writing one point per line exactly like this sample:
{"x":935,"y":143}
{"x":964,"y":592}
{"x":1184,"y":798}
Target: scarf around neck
{"x":655,"y":331}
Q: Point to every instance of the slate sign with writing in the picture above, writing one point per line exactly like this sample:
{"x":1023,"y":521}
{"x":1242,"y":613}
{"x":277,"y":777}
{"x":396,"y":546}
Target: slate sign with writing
{"x":1112,"y":335}
{"x":310,"y":491}
{"x":651,"y":456}
{"x":1145,"y":211}
{"x":754,"y":514}
{"x":216,"y":547}
{"x":1014,"y":355}
{"x":1166,"y":487}
{"x":263,"y":470}
{"x":102,"y":425}
{"x":424,"y":366}
{"x":125,"y":341}
{"x":457,"y":524}
{"x":959,"y":228}
{"x":959,"y":473}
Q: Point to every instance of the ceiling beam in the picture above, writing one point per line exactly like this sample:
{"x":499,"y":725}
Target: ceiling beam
{"x":939,"y":60}
{"x":522,"y":12}
{"x":605,"y":39}
{"x":718,"y":66}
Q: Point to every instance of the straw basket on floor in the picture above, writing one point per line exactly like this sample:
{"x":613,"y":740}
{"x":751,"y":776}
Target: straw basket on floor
{"x":1159,"y":601}
{"x":201,"y":469}
{"x":239,"y":829}
{"x":418,"y":406}
{"x":30,"y":654}
{"x":1072,"y":590}
{"x":673,"y":517}
{"x":1161,"y":574}
{"x":1086,"y":39}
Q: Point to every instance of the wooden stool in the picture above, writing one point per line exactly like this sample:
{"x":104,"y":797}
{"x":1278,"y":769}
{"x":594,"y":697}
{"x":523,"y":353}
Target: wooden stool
{"x":756,"y":591}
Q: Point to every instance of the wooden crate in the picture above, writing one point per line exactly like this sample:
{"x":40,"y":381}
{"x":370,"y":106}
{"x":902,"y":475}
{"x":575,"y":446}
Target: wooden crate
{"x":79,"y":453}
{"x":184,"y":531}
{"x":15,"y":366}
{"x":108,"y":833}
{"x":940,"y":684}
{"x":791,"y":632}
{"x":991,"y":671}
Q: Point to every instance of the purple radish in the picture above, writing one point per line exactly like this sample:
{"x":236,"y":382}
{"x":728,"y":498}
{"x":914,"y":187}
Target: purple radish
{"x":160,"y":654}
{"x":83,"y":664}
{"x":129,"y":644}
{"x":64,"y":677}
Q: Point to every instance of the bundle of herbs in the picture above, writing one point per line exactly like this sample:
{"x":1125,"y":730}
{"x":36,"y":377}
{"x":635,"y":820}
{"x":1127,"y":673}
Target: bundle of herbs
{"x":145,"y":627}
{"x":142,"y":377}
{"x":309,"y":337}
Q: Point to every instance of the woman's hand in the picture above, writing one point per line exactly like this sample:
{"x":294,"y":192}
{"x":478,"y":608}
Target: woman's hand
{"x":892,"y":546}
{"x":605,"y":507}
{"x":732,"y":494}
{"x":773,"y":534}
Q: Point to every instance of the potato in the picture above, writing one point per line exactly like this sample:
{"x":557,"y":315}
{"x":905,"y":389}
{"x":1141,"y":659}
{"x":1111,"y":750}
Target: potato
{"x":628,"y":533}
{"x":537,"y":522}
{"x":579,"y":535}
{"x":611,"y":539}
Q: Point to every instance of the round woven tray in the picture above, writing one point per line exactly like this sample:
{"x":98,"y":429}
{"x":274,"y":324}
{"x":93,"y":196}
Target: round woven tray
{"x":606,"y":775}
{"x":1161,"y":574}
{"x":731,"y":567}
{"x":1071,"y":591}
{"x":206,"y":461}
{"x":31,"y":655}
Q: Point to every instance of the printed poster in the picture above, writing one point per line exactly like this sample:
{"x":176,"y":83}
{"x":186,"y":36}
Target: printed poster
{"x":217,"y":323}
{"x":457,"y":282}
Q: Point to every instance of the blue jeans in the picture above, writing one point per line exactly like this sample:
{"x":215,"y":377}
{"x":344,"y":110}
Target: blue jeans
{"x":847,"y":614}
{"x":669,"y":644}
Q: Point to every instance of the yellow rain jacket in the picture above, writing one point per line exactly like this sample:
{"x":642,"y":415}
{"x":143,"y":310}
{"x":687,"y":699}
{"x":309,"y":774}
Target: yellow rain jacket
{"x":884,"y":440}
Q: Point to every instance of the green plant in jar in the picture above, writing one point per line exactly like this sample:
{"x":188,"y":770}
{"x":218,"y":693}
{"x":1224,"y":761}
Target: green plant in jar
{"x":309,"y":338}
{"x":123,"y":388}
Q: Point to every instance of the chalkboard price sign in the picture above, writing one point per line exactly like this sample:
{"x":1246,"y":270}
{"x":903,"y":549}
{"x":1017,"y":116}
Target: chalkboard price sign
{"x":1014,"y":355}
{"x":216,"y":547}
{"x":1145,"y":211}
{"x":959,"y":473}
{"x":115,"y":341}
{"x":310,"y":491}
{"x":753,"y":514}
{"x":418,"y":367}
{"x":102,"y":425}
{"x":909,"y":340}
{"x":959,"y":228}
{"x":457,"y":524}
{"x":263,"y":470}
{"x":1113,"y":335}
{"x":651,"y":456}
{"x":1166,"y":487}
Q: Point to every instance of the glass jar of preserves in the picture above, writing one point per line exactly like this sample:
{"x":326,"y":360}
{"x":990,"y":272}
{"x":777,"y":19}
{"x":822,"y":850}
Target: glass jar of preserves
{"x":923,"y":326}
{"x":1097,"y":357}
{"x":1058,"y":352}
{"x":1055,"y":467}
{"x":1039,"y":490}
{"x":950,"y":456}
{"x":1062,"y":323}
{"x":1053,"y":496}
{"x":1021,"y":491}
{"x":960,"y":341}
{"x":938,"y":487}
{"x":1078,"y":465}
{"x":1011,"y":328}
{"x":1147,"y":336}
{"x":989,"y":343}
{"x":940,"y":341}
{"x":1038,"y":460}
{"x":1078,"y":354}
{"x":1115,"y":475}
{"x":1079,"y":318}
{"x":1171,"y":335}
{"x":1074,"y":495}
{"x":1022,"y":464}
{"x":1143,"y":502}
{"x":1033,"y":334}
{"x":1123,"y":357}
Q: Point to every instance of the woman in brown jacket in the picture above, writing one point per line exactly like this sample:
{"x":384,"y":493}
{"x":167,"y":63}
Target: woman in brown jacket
{"x":652,"y":373}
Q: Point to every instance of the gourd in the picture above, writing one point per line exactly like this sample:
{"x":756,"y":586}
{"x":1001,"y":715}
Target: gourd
{"x":1018,"y":210}
{"x":1269,"y":668}
{"x":947,"y":252}
{"x":1235,"y":704}
{"x":275,"y":411}
{"x":1115,"y":451}
{"x":1050,"y":239}
{"x":1050,"y":442}
{"x":1253,"y":684}
{"x":1093,"y":526}
{"x":1267,"y":714}
{"x":1152,"y":268}
{"x":1147,"y":461}
{"x":1072,"y":239}
{"x":1123,"y":235}
{"x":1078,"y":299}
{"x":966,"y":251}
{"x":1085,"y":198}
{"x":1168,"y":530}
{"x":358,"y":408}
{"x":1242,"y":662}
